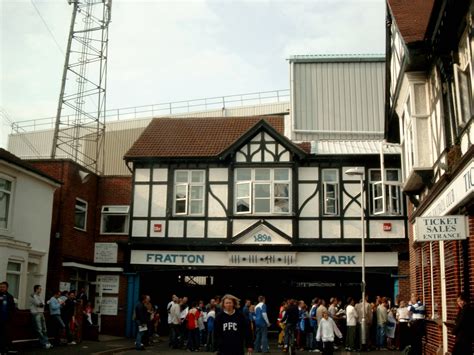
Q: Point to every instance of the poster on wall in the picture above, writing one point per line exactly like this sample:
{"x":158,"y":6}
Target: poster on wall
{"x":108,"y":306}
{"x":105,"y":253}
{"x":109,"y":283}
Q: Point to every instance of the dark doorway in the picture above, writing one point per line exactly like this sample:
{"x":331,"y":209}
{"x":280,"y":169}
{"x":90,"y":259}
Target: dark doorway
{"x":275,"y":284}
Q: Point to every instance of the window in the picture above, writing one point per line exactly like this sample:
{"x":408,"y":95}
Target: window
{"x":385,"y":196}
{"x":5,"y":202}
{"x":114,"y":220}
{"x":463,"y":82}
{"x":13,"y":278}
{"x":330,"y":192}
{"x":189,"y":192}
{"x":80,"y":215}
{"x":262,"y":191}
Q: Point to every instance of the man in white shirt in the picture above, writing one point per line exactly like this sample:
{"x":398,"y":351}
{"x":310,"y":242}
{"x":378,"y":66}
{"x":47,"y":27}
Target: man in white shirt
{"x":351,"y":320}
{"x":174,"y":312}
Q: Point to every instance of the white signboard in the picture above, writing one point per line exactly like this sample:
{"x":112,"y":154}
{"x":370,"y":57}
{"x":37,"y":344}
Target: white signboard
{"x":266,"y":259}
{"x":109,"y":283}
{"x":429,"y":229}
{"x":64,"y":286}
{"x":105,"y":253}
{"x":108,"y":306}
{"x":460,"y":189}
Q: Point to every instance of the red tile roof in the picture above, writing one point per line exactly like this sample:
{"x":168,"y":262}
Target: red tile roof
{"x":411,"y":17}
{"x":194,"y":137}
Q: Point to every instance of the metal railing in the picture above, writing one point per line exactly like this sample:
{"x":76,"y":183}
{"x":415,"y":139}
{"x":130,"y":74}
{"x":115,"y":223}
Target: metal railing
{"x":163,"y":109}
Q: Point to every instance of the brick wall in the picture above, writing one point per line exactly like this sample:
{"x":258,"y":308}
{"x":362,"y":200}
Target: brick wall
{"x":78,"y":246}
{"x":68,"y":243}
{"x":422,"y":262}
{"x":113,"y":190}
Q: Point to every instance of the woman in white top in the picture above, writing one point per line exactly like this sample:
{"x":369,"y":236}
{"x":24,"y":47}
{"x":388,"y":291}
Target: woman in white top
{"x":403,"y":317}
{"x":326,"y":330}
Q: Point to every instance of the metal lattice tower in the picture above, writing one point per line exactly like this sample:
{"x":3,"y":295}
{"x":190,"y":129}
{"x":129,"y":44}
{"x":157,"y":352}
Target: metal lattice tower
{"x":80,"y":119}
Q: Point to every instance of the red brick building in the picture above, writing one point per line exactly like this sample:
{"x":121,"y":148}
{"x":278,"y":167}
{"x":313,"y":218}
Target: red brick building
{"x":84,"y":220}
{"x":430,"y":61}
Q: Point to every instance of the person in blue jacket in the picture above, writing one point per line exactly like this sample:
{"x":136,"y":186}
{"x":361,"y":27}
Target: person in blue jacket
{"x":55,"y":313}
{"x":261,"y":324}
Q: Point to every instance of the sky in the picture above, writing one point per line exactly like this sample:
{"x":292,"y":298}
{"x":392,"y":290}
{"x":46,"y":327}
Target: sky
{"x":164,"y":51}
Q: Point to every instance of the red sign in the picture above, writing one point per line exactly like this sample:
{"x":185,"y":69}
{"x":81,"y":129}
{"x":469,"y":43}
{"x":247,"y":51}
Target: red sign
{"x":387,"y":227}
{"x":157,"y":228}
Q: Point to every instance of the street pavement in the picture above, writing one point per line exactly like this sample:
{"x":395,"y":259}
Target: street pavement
{"x":124,"y":346}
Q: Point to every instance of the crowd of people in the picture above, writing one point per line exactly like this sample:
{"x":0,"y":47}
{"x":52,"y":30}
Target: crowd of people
{"x":63,"y":323}
{"x":224,"y":326}
{"x":318,"y":327}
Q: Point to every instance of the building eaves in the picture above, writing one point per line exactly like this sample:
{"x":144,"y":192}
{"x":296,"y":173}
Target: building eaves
{"x":411,"y":18}
{"x":336,"y":58}
{"x":351,"y":147}
{"x":14,"y":160}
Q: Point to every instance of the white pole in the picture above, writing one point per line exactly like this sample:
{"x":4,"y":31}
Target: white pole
{"x":363,"y":335}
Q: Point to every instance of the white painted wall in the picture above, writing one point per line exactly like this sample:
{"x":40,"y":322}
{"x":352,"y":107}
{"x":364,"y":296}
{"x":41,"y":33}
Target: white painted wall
{"x":28,"y":237}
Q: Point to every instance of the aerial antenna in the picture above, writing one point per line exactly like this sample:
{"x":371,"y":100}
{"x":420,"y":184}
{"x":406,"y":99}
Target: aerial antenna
{"x":79,"y":131}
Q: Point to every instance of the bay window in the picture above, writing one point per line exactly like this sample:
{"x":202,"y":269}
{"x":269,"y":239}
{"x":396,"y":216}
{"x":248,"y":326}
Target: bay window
{"x":262,"y":191}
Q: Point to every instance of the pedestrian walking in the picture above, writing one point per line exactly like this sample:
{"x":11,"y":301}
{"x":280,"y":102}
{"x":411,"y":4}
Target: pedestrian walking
{"x":141,"y":319}
{"x":382,"y":319}
{"x":231,"y":330}
{"x":351,"y":322}
{"x":68,"y":316}
{"x":261,"y":323}
{"x":327,"y":328}
{"x":463,"y":330}
{"x":174,"y":320}
{"x":55,"y":314}
{"x":211,"y":317}
{"x":403,"y":317}
{"x":37,"y":312}
{"x":417,"y":324}
{"x":7,"y":310}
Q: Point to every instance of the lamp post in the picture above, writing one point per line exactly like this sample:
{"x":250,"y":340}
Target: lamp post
{"x":360,"y":173}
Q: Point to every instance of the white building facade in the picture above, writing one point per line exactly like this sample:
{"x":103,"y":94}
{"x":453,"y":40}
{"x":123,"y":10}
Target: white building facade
{"x":26,"y":205}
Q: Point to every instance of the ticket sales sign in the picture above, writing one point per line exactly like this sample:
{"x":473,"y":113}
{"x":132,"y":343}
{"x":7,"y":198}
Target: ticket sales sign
{"x":430,"y":229}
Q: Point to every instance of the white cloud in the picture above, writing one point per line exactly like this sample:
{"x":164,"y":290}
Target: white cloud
{"x":176,"y":50}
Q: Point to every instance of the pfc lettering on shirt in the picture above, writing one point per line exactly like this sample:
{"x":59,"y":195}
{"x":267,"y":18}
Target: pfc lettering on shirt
{"x":230,"y":326}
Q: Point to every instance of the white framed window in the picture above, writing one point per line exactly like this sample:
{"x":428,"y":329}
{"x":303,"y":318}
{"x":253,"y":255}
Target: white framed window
{"x":262,"y":191}
{"x":14,"y":278}
{"x":189,"y":192}
{"x":463,"y":82}
{"x":330,"y":192}
{"x":114,"y":219}
{"x":80,"y":215}
{"x":385,"y":195}
{"x":6,"y":190}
